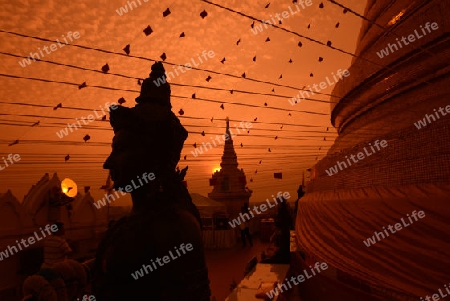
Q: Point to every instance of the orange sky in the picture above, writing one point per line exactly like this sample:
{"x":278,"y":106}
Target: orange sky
{"x":100,"y":26}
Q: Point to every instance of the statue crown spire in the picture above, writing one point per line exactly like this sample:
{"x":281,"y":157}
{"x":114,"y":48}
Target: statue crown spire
{"x":155,"y":88}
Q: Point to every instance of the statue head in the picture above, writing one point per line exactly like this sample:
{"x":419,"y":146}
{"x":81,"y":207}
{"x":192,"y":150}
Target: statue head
{"x":148,"y":139}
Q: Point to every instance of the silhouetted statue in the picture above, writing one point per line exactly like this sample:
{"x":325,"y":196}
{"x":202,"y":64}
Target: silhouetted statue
{"x":148,"y":140}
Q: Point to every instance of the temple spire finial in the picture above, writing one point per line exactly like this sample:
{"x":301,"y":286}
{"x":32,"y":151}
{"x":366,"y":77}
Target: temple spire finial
{"x":228,"y":127}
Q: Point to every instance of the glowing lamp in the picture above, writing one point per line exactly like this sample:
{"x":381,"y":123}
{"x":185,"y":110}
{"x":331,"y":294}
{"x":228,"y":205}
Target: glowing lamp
{"x":69,"y":187}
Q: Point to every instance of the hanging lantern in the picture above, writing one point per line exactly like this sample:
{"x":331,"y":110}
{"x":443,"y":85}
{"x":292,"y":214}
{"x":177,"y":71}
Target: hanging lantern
{"x":69,"y":187}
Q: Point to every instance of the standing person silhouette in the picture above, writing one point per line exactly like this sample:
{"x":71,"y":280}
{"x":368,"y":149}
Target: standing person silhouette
{"x":245,"y":229}
{"x":300,"y":194}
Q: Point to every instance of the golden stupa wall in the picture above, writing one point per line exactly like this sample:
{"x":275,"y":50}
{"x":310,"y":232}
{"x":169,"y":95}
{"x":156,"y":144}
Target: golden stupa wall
{"x":384,"y":102}
{"x":383,"y":99}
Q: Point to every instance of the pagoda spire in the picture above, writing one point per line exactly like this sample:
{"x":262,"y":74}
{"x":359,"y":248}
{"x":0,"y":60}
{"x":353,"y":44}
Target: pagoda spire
{"x":229,"y":183}
{"x":229,"y":157}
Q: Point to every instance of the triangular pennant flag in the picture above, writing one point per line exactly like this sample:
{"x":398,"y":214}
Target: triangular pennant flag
{"x":148,"y":30}
{"x":105,"y":68}
{"x":121,"y":101}
{"x":127,"y":49}
{"x":278,"y":175}
{"x":166,"y":12}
